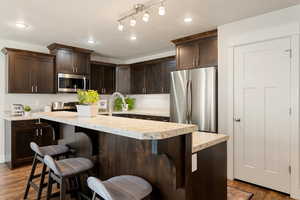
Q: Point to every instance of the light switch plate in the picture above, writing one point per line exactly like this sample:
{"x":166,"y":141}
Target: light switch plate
{"x":194,"y":162}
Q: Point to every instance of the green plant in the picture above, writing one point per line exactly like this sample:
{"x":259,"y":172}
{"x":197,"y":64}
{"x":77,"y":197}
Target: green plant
{"x":88,"y":97}
{"x":118,"y":103}
{"x":27,"y":108}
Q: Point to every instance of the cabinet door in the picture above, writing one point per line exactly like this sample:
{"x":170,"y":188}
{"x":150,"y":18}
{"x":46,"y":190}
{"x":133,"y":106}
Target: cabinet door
{"x":154,"y":78}
{"x":80,"y":62}
{"x":20,"y":73}
{"x":208,"y":52}
{"x":44,"y":70}
{"x":138,"y":79}
{"x":123,"y":79}
{"x":168,"y":67}
{"x":187,"y":55}
{"x":64,"y":61}
{"x":97,"y":74}
{"x":109,"y":80}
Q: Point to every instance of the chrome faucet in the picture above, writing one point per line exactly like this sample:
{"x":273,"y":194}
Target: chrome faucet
{"x":111,"y":99}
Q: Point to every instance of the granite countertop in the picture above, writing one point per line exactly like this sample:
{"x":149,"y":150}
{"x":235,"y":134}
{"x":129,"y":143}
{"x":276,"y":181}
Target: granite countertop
{"x":133,"y":128}
{"x":150,"y":112}
{"x":7,"y":116}
{"x":203,"y":140}
{"x":33,"y":116}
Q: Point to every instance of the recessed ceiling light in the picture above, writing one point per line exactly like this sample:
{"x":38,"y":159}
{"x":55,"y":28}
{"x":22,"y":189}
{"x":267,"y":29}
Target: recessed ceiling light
{"x":91,"y":41}
{"x":188,"y":19}
{"x":21,"y":25}
{"x":133,"y":37}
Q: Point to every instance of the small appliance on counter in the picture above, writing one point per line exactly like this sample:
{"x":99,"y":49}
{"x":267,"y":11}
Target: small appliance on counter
{"x":60,"y":106}
{"x":17,"y":110}
{"x":57,"y":106}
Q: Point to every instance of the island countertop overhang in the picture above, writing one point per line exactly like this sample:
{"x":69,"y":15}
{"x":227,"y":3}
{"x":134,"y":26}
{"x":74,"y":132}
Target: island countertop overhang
{"x":127,"y":127}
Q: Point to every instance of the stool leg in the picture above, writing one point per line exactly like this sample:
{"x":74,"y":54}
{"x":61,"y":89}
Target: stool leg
{"x":41,"y":182}
{"x":94,"y":196}
{"x":63,"y":189}
{"x":49,"y":188}
{"x":34,"y":164}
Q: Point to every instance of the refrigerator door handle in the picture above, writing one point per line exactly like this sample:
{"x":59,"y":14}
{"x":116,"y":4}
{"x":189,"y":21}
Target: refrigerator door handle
{"x":188,"y":102}
{"x":187,"y":105}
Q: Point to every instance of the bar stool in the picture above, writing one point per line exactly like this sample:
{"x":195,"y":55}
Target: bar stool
{"x":120,"y":188}
{"x":53,"y":150}
{"x":63,"y":170}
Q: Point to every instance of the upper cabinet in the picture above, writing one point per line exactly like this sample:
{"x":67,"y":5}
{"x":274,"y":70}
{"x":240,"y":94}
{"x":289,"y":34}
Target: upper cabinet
{"x":29,"y":72}
{"x":71,"y":60}
{"x":198,"y":50}
{"x":103,"y":77}
{"x":123,"y":84}
{"x":152,"y":77}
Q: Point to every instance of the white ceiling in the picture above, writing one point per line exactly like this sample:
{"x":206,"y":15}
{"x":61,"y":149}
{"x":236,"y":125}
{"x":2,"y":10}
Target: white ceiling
{"x":73,"y":22}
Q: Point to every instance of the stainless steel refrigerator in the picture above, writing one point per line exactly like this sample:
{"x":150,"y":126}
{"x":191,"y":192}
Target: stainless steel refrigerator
{"x":194,"y":98}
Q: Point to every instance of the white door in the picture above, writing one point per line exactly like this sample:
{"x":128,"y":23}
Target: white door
{"x":262,"y":113}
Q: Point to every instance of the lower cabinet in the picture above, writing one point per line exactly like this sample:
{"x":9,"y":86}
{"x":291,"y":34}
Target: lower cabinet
{"x":18,"y":135}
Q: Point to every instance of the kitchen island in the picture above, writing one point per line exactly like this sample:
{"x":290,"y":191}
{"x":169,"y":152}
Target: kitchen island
{"x":160,"y":152}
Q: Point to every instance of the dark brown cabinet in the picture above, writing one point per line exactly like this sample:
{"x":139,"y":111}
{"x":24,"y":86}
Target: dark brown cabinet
{"x":200,"y":50}
{"x":103,"y":77}
{"x":18,"y":135}
{"x":152,"y":77}
{"x":123,"y":84}
{"x":29,"y":72}
{"x":138,"y":79}
{"x":71,"y":60}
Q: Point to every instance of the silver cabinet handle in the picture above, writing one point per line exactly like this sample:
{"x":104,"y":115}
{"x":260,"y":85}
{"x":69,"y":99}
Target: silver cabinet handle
{"x":37,"y":132}
{"x":76,"y":69}
{"x":36,"y":88}
{"x":162,"y":90}
{"x":32,"y":88}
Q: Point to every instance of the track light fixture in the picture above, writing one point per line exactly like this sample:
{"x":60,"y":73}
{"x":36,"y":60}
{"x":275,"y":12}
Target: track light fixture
{"x":141,"y":8}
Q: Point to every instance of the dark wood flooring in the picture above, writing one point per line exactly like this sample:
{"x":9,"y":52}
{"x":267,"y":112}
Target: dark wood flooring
{"x":12,"y":183}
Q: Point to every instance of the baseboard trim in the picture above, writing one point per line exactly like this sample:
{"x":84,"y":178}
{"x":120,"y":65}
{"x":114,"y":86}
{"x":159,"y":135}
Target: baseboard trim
{"x":2,"y":159}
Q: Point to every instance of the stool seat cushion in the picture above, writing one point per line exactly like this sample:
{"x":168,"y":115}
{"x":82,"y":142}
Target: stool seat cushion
{"x":121,"y":188}
{"x":70,"y":166}
{"x":51,"y":150}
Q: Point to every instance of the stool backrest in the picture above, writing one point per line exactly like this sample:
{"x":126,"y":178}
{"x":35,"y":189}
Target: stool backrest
{"x":51,"y":163}
{"x":97,"y":186}
{"x":35,"y":148}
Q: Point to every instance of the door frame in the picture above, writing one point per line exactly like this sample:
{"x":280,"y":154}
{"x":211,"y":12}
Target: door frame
{"x":291,"y":31}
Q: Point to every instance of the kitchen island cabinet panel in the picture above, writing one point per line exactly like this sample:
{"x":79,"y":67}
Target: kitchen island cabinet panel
{"x":18,"y":135}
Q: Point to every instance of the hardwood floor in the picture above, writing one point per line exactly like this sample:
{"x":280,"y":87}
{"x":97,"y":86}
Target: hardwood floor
{"x":12,"y":183}
{"x":259,"y":192}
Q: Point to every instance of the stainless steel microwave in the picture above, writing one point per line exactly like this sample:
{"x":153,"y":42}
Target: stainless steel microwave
{"x":72,"y":83}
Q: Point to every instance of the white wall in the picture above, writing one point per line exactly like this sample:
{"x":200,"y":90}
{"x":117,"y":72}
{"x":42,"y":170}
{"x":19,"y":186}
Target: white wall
{"x":152,"y":101}
{"x":227,"y":35}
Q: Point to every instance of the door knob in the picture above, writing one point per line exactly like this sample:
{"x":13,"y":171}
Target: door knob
{"x":237,"y":119}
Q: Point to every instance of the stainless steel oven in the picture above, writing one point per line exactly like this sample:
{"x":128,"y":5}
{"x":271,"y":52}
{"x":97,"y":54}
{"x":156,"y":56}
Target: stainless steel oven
{"x":72,"y":83}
